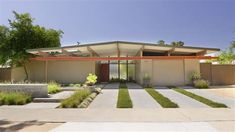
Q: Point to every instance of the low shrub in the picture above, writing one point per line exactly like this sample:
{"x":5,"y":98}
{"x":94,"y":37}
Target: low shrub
{"x":91,"y":79}
{"x":53,"y":87}
{"x":194,"y":76}
{"x":201,"y":83}
{"x":74,"y":100}
{"x":14,"y":98}
{"x":75,"y":85}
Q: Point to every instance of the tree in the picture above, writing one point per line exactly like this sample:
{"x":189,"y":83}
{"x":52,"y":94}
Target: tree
{"x":233,"y":44}
{"x":161,"y":42}
{"x":226,"y":57}
{"x":23,"y":35}
{"x":177,"y":44}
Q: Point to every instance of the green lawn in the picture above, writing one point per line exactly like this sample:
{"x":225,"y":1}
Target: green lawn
{"x":124,"y":100}
{"x":199,"y":98}
{"x":162,"y":100}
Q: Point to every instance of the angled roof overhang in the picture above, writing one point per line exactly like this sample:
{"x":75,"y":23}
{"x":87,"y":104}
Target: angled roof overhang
{"x":115,"y":49}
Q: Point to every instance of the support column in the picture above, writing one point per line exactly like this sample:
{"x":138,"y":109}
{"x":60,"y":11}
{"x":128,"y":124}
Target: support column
{"x":184,"y":70}
{"x":127,"y":70}
{"x":46,"y":70}
{"x":119,"y":69}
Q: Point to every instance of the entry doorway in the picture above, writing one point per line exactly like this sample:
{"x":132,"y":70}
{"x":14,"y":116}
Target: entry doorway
{"x":104,"y":73}
{"x":114,"y":70}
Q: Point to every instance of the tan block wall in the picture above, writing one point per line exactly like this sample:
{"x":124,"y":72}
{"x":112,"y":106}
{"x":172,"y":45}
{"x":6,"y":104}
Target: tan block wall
{"x":5,"y":74}
{"x":218,"y":74}
{"x":168,"y":72}
{"x":60,"y":71}
{"x":205,"y":70}
{"x":36,"y":70}
{"x":18,"y":74}
{"x":70,"y":71}
{"x":223,"y":74}
{"x":146,"y":67}
{"x":191,"y":66}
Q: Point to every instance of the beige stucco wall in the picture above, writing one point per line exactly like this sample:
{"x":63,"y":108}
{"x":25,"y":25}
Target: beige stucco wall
{"x":17,"y":74}
{"x":59,"y":71}
{"x":167,"y":72}
{"x":70,"y":71}
{"x":36,"y":70}
{"x":191,"y":66}
{"x":145,"y":68}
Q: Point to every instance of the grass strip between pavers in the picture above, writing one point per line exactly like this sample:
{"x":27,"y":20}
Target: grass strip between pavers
{"x":162,"y":100}
{"x":77,"y":98}
{"x":199,"y":98}
{"x":124,"y":100}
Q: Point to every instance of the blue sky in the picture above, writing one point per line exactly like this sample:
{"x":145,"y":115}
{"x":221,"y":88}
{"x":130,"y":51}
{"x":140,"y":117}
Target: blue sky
{"x":206,"y":23}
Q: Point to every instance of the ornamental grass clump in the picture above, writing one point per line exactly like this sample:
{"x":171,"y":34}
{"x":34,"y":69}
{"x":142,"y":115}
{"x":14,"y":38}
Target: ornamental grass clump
{"x":76,"y":99}
{"x":14,"y":98}
{"x":53,"y":87}
{"x":201,"y":83}
{"x":197,"y":81}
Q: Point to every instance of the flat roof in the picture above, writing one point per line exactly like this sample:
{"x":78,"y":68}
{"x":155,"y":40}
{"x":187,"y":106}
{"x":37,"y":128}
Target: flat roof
{"x":121,"y":48}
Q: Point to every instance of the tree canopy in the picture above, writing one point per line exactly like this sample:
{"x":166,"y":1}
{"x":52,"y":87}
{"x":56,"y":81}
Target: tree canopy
{"x":21,"y":35}
{"x":233,"y":44}
{"x":226,"y":57}
{"x":161,"y":42}
{"x":177,"y":44}
{"x":174,"y":43}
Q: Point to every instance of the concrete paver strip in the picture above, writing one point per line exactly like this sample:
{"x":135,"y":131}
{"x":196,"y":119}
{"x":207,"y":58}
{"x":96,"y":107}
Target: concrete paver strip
{"x":107,"y":98}
{"x":182,"y":100}
{"x":62,"y":95}
{"x":209,"y":95}
{"x":140,"y":98}
{"x":134,"y":127}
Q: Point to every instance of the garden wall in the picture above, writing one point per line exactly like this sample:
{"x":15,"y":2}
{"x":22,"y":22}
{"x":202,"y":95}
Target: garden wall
{"x":5,"y":74}
{"x":35,"y":90}
{"x":218,"y":74}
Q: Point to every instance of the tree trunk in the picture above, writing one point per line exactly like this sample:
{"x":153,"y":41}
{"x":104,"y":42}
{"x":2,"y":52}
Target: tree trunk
{"x":26,"y":73}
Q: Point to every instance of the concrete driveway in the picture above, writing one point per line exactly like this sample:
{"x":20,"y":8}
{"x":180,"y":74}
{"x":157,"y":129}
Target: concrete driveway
{"x":140,"y":98}
{"x":106,"y":99}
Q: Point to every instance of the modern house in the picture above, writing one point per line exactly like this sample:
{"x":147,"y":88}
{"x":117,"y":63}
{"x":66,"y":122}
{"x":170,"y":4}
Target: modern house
{"x":164,"y":65}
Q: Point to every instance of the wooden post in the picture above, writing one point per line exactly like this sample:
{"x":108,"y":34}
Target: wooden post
{"x":184,"y":70}
{"x":46,"y":70}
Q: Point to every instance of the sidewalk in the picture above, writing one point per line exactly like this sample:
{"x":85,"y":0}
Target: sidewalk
{"x":118,"y":115}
